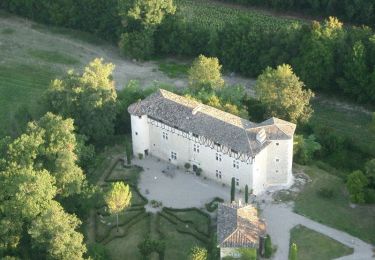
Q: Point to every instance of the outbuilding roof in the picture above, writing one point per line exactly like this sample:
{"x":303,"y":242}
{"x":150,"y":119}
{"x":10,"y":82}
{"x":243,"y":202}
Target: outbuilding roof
{"x":221,"y":127}
{"x":239,"y":226}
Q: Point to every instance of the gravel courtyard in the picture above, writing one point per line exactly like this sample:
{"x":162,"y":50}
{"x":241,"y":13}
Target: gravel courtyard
{"x":175,"y":187}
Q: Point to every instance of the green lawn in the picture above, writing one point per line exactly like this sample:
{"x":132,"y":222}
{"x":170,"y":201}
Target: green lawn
{"x":126,"y":247}
{"x":173,"y":69}
{"x":313,"y":245}
{"x":21,"y":85}
{"x":346,"y":122}
{"x":336,"y":211}
{"x":178,"y":245}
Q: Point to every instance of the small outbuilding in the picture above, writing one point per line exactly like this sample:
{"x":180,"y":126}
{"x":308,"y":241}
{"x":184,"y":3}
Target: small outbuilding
{"x":239,"y":227}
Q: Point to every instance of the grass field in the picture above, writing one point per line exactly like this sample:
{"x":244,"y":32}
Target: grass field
{"x":335,"y":211}
{"x":313,"y":245}
{"x":347,"y":123}
{"x":214,"y":15}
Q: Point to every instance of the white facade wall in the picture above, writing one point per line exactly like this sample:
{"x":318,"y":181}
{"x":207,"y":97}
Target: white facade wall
{"x":140,"y":134}
{"x":280,"y":157}
{"x":168,"y":144}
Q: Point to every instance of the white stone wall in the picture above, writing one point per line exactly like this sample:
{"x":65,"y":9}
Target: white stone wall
{"x":232,"y":252}
{"x":169,"y":144}
{"x":279,"y":166}
{"x":140,"y":134}
{"x":260,"y":172}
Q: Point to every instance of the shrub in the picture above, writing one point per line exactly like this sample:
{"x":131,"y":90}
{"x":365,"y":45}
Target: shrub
{"x":187,"y":166}
{"x":212,"y":206}
{"x":198,"y":253}
{"x":293,"y":252}
{"x":199,"y":172}
{"x":137,"y":44}
{"x":268,"y":250}
{"x":356,"y":184}
{"x":140,"y":156}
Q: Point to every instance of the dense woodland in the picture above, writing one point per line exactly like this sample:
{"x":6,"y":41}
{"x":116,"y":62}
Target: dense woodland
{"x":360,"y":12}
{"x":326,"y":55}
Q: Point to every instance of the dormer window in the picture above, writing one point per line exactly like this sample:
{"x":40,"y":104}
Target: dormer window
{"x":261,"y":136}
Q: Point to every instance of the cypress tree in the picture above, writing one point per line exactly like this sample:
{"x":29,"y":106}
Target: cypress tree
{"x":246,"y":194}
{"x":232,"y":190}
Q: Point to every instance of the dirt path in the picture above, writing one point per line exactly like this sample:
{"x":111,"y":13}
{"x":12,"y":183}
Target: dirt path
{"x":281,"y":219}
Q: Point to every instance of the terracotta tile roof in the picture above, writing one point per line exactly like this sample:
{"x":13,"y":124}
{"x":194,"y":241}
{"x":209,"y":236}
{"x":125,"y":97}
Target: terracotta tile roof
{"x":221,"y":127}
{"x":239,"y":226}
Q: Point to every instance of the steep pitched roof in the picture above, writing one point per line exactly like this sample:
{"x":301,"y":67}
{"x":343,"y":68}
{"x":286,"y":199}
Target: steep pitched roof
{"x":224,"y":128}
{"x":239,"y":226}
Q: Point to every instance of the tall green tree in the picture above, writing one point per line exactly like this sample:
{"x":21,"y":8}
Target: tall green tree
{"x":118,"y":198}
{"x":50,"y":144}
{"x":356,"y":184}
{"x":25,"y":194}
{"x":316,"y":63}
{"x":89,"y":98}
{"x":283,"y":94}
{"x":356,"y":73}
{"x":232,"y":190}
{"x":205,"y":71}
{"x":147,"y":12}
{"x":53,"y":233}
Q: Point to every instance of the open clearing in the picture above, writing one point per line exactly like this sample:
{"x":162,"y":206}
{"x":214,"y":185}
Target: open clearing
{"x":313,"y":245}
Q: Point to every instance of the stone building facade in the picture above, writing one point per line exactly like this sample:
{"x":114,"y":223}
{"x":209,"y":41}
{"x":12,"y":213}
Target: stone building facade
{"x":224,"y":146}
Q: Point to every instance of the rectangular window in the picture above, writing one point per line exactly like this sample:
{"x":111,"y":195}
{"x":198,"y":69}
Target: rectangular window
{"x":165,"y":135}
{"x":277,"y":160}
{"x":173,"y":156}
{"x":277,"y":143}
{"x":196,"y":148}
{"x":237,"y":182}
{"x":236,"y":164}
{"x":218,"y":174}
{"x":218,"y":157}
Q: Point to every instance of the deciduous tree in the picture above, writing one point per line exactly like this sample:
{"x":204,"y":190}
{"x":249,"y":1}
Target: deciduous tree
{"x":53,"y":233}
{"x":150,"y":12}
{"x":88,"y":98}
{"x":205,"y":71}
{"x":283,"y":94}
{"x":118,"y":198}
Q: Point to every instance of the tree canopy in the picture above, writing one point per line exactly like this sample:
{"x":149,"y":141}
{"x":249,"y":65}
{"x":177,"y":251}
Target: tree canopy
{"x":36,"y":167}
{"x":205,"y":71}
{"x":89,"y":98}
{"x":283,"y":94}
{"x":150,"y":12}
{"x":53,"y":232}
